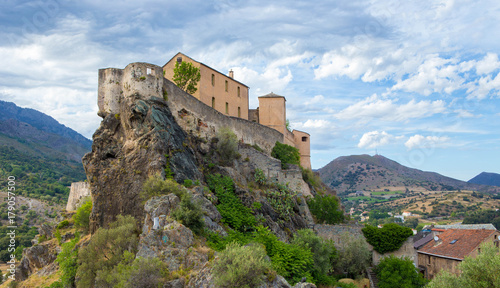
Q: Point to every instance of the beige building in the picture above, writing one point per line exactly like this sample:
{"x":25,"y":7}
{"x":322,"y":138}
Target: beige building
{"x":221,"y":92}
{"x":230,"y":97}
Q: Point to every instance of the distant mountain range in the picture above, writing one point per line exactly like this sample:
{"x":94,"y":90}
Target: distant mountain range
{"x":365,"y":172}
{"x":36,"y":133}
{"x":485,"y":178}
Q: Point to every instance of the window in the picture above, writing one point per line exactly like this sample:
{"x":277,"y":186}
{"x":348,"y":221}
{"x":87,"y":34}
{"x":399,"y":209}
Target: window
{"x":227,"y":108}
{"x":304,"y":139}
{"x":213,"y":102}
{"x":213,"y":80}
{"x":239,"y":112}
{"x":239,"y":91}
{"x":226,"y":85}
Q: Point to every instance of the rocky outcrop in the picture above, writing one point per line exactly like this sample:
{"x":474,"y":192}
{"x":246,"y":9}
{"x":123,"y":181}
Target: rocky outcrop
{"x":143,"y":139}
{"x":36,"y":258}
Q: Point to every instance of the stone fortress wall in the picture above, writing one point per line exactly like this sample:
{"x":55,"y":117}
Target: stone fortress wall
{"x":77,"y":191}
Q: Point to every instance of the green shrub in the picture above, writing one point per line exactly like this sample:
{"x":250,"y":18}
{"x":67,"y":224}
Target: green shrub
{"x":398,"y":272}
{"x":68,"y":263}
{"x":190,"y":214}
{"x":388,"y":238}
{"x":232,"y":210}
{"x":326,"y":209}
{"x":105,"y":250}
{"x":260,"y":177}
{"x":312,"y":179}
{"x":324,"y":253}
{"x":353,"y":255}
{"x":286,"y":154}
{"x":81,"y":217}
{"x":257,"y":147}
{"x":156,"y":186}
{"x":241,"y":266}
{"x":63,"y":224}
{"x":188,"y":183}
{"x":281,"y":199}
{"x":227,"y":146}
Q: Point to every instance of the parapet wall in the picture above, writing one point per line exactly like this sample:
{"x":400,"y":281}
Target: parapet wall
{"x":202,"y":120}
{"x":78,"y":191}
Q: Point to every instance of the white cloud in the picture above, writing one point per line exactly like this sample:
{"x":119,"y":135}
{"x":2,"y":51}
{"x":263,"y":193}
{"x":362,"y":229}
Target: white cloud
{"x":419,"y":141}
{"x":386,"y":109}
{"x":375,"y":139}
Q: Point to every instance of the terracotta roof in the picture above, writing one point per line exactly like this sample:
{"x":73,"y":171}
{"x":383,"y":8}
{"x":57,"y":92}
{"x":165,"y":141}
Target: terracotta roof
{"x":421,"y":239}
{"x":465,"y":241}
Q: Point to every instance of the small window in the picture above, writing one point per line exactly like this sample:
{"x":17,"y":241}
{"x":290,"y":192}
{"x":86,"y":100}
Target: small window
{"x":304,"y":139}
{"x":227,"y":84}
{"x":148,"y":71}
{"x":239,"y":91}
{"x":213,"y":102}
{"x":453,"y":241}
{"x":227,"y":108}
{"x":239,"y":112}
{"x":213,"y":80}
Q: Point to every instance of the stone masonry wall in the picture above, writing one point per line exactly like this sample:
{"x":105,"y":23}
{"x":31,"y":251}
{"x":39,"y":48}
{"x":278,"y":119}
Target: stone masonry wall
{"x":78,"y":191}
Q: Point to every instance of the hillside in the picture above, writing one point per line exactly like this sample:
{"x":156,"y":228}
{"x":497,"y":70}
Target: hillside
{"x":485,"y":178}
{"x":44,"y":155}
{"x":377,"y":173}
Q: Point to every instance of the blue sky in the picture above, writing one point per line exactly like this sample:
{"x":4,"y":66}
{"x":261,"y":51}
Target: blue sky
{"x":415,"y":81}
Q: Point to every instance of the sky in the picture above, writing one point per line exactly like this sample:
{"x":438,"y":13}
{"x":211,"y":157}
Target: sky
{"x":415,"y":81}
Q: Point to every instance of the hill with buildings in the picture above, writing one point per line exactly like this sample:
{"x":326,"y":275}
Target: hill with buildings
{"x":485,"y":178}
{"x":353,"y":173}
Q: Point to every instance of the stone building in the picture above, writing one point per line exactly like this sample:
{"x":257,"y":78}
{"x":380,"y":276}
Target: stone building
{"x":230,"y":97}
{"x":219,"y":91}
{"x":450,"y":247}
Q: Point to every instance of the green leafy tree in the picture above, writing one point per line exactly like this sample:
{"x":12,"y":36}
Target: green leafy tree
{"x":326,"y":209}
{"x":483,"y":271}
{"x":324,"y":252}
{"x":186,"y":76}
{"x":286,"y":153}
{"x":227,"y":146}
{"x":241,"y":266}
{"x":394,"y":272}
{"x":388,"y":238}
{"x":353,"y":255}
{"x":68,"y":263}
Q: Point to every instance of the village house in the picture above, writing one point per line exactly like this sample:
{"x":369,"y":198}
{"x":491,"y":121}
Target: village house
{"x":230,"y":97}
{"x":448,"y":247}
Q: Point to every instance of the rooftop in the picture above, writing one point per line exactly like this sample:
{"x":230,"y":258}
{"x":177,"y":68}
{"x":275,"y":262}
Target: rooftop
{"x":456,"y":243}
{"x":466,"y":226}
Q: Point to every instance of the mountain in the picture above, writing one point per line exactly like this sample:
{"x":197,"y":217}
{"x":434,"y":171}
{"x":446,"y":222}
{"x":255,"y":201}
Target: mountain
{"x":365,"y":172}
{"x":36,"y":133}
{"x":43,"y":155}
{"x":485,"y":178}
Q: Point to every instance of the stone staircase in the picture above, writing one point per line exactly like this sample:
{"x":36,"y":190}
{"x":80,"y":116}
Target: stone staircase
{"x":372,"y":277}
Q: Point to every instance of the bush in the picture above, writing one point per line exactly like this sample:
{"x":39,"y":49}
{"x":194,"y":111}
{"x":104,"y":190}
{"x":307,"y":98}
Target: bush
{"x":282,"y":200}
{"x":312,"y":179}
{"x":81,"y":217}
{"x":393,"y":272}
{"x":326,"y":209}
{"x":68,"y":263}
{"x":227,"y":146}
{"x":105,"y":250}
{"x":156,"y":186}
{"x":241,"y":266}
{"x":286,"y":154}
{"x":388,"y":238}
{"x":63,"y":224}
{"x":188,"y":183}
{"x":324,"y":253}
{"x":232,"y":210}
{"x":190,"y":214}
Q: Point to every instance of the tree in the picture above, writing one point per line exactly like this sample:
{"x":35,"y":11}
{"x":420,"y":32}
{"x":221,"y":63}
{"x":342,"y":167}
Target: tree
{"x":227,"y":146}
{"x":286,"y":153}
{"x":388,"y":238}
{"x":353,"y":255}
{"x":186,"y":76}
{"x":82,"y":215}
{"x":326,"y":209}
{"x":394,"y":272}
{"x":483,"y":271}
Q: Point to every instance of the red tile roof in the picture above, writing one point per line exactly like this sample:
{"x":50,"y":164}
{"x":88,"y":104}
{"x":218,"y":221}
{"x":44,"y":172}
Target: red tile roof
{"x":466,"y":242}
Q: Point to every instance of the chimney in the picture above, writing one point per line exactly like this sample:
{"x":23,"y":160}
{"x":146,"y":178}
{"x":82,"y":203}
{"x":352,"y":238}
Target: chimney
{"x":231,"y":73}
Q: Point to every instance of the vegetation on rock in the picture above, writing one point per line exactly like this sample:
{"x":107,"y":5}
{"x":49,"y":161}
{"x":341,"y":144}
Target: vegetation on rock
{"x":227,"y":145}
{"x":326,"y":209}
{"x":286,"y":154}
{"x":81,"y":217}
{"x":393,"y":272}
